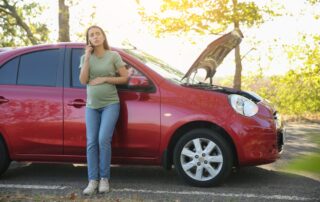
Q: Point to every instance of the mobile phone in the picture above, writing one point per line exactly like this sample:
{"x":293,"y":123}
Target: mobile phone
{"x":91,"y":46}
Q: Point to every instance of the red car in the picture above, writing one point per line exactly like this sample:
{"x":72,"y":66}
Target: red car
{"x":167,"y":118}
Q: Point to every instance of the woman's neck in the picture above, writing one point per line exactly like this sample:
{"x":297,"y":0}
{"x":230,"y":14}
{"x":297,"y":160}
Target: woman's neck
{"x":99,"y":51}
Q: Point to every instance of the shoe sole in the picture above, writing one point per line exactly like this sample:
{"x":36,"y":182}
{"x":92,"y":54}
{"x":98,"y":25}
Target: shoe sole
{"x":89,"y":194}
{"x":104,"y":192}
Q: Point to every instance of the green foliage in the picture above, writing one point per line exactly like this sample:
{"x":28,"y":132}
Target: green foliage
{"x":298,"y":91}
{"x":308,"y":163}
{"x":313,"y":1}
{"x":18,"y":24}
{"x":200,"y":16}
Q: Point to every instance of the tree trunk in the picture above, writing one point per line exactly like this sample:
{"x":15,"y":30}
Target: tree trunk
{"x":237,"y":75}
{"x":63,"y":22}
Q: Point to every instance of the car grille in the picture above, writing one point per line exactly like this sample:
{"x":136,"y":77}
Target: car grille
{"x":280,"y":131}
{"x":280,"y":140}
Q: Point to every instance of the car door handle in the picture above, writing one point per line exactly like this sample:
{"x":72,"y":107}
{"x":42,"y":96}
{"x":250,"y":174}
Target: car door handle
{"x":77,"y":103}
{"x":3,"y":100}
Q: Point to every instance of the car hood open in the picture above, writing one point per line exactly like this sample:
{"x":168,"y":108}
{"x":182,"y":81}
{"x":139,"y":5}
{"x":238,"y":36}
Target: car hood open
{"x":214,"y":54}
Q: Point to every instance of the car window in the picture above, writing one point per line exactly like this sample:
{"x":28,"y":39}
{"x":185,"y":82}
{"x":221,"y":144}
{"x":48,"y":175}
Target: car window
{"x":39,"y":68}
{"x":132,"y":72}
{"x":75,"y":62}
{"x":157,"y":65}
{"x":8,"y":72}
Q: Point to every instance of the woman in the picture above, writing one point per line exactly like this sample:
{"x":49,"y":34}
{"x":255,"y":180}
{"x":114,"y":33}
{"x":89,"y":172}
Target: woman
{"x":99,"y":66}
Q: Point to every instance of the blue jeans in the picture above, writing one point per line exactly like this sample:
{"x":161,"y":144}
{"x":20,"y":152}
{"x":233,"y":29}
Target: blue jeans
{"x":100,"y":124}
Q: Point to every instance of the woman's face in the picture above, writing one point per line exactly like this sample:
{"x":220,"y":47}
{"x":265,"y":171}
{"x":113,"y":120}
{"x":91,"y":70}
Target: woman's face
{"x":96,"y":37}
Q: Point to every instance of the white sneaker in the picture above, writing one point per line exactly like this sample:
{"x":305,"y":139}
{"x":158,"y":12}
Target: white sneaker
{"x":103,"y":185}
{"x":91,"y":188}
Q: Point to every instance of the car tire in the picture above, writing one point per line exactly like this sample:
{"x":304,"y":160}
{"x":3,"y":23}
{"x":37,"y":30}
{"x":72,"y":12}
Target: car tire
{"x":203,"y":158}
{"x":4,"y":157}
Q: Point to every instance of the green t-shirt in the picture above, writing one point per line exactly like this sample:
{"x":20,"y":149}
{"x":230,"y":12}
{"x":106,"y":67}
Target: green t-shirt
{"x":101,"y":95}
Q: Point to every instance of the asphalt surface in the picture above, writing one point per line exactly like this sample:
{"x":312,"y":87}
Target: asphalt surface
{"x":32,"y":182}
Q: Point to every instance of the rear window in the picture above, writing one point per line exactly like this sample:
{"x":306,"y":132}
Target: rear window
{"x":39,"y":68}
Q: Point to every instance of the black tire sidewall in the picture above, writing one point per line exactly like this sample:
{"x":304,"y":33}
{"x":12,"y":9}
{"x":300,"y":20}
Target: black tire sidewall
{"x":4,"y":158}
{"x":219,"y":141}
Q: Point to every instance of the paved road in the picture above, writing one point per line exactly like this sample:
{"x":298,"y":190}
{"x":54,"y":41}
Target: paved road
{"x":136,"y":183}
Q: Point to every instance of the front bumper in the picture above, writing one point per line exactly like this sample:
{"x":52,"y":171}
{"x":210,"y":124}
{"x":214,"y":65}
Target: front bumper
{"x":260,"y":139}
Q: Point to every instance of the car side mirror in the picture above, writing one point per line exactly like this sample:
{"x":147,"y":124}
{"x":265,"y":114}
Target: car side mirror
{"x":140,"y":82}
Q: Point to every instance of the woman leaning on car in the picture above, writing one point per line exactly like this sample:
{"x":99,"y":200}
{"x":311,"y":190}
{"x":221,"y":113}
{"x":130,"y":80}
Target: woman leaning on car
{"x":99,"y":67}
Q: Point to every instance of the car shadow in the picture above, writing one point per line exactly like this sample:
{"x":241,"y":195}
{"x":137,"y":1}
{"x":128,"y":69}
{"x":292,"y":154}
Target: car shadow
{"x":150,"y":177}
{"x":43,"y":173}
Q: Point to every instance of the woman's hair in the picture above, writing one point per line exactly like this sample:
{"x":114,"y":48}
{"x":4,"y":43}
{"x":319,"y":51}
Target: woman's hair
{"x":105,"y":43}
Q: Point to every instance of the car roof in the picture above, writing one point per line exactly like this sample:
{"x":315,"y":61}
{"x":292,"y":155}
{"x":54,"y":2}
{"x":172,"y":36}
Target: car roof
{"x":5,"y":49}
{"x":9,"y":52}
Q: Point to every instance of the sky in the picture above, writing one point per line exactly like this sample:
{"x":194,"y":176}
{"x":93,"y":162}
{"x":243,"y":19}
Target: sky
{"x":121,"y":21}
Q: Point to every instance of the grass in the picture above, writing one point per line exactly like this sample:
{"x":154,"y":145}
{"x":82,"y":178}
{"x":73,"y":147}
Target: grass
{"x":309,"y":164}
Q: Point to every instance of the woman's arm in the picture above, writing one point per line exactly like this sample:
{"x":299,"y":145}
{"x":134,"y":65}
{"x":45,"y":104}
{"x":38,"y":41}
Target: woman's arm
{"x":122,"y":79}
{"x":84,"y":72}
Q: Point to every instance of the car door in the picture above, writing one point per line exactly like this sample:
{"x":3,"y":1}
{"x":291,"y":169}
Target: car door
{"x":74,"y":102}
{"x":138,"y":128}
{"x":31,"y":116}
{"x":137,"y":131}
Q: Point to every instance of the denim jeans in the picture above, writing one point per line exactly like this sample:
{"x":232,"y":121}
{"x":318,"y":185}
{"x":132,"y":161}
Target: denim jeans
{"x":100,"y":124}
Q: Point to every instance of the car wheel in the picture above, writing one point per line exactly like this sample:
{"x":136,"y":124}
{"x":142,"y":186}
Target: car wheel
{"x":4,"y":157}
{"x":203,"y":158}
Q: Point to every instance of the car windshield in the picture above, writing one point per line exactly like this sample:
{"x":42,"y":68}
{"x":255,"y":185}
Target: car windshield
{"x":157,"y":65}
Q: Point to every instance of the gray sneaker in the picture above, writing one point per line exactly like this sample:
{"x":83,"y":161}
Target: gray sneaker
{"x":103,"y":185}
{"x":91,"y":188}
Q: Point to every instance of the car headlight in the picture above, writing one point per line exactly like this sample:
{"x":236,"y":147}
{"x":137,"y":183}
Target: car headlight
{"x":243,"y":105}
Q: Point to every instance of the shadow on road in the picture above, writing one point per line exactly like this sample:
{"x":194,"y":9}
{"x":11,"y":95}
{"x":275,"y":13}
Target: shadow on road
{"x":153,"y":182}
{"x":150,"y":177}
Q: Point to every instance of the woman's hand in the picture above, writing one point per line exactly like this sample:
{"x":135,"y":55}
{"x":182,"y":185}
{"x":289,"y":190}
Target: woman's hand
{"x":84,"y":73}
{"x":97,"y":81}
{"x":88,"y":50}
{"x":122,"y":79}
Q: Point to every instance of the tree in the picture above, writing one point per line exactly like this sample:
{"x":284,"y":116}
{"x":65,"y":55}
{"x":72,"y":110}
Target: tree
{"x":18,"y":25}
{"x":85,"y":17}
{"x":298,"y":91}
{"x":313,"y":2}
{"x":63,"y":22}
{"x":205,"y":17}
